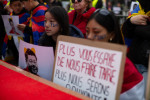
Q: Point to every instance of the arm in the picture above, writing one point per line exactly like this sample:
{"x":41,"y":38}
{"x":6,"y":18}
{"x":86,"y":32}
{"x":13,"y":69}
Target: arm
{"x":131,"y":23}
{"x":142,"y":31}
{"x":128,"y":29}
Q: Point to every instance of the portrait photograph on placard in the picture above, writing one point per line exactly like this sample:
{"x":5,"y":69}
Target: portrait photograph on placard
{"x":36,"y":59}
{"x":133,"y":5}
{"x":10,"y":23}
{"x":147,"y":90}
{"x":90,"y":68}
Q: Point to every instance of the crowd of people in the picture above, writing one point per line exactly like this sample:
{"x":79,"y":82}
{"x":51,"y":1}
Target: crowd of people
{"x":43,"y":21}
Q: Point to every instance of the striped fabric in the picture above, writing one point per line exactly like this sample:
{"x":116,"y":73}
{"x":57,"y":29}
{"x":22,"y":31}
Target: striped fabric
{"x":37,"y":19}
{"x":133,"y":83}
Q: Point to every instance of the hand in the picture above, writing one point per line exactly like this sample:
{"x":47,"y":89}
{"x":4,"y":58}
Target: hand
{"x":21,"y":27}
{"x":139,"y":19}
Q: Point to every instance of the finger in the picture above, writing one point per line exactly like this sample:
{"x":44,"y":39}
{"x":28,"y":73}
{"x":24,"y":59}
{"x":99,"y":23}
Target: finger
{"x":144,"y":19}
{"x":143,"y":23}
{"x":145,"y":16}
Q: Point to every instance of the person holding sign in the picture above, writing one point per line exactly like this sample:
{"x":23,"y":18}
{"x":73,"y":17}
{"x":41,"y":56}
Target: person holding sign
{"x":9,"y":41}
{"x":103,"y":26}
{"x":37,"y":18}
{"x":56,"y":23}
{"x":81,"y":14}
{"x":136,"y":30}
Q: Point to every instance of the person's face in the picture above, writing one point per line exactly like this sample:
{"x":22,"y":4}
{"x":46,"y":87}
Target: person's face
{"x":95,"y":31}
{"x":79,"y":5}
{"x":31,"y":60}
{"x":16,"y":6}
{"x":51,"y":25}
{"x":27,"y":5}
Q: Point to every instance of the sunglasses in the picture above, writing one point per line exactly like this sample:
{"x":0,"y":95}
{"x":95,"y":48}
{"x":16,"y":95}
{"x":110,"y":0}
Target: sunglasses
{"x":104,"y":12}
{"x":73,"y":1}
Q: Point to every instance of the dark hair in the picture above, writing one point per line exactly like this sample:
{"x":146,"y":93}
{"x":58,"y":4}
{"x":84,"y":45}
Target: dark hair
{"x":29,"y":52}
{"x":11,"y":1}
{"x":145,"y":5}
{"x":109,"y":22}
{"x":61,"y":17}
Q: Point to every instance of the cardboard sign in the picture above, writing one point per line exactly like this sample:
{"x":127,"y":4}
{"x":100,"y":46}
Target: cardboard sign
{"x":17,"y":84}
{"x":36,"y":59}
{"x":133,"y":5}
{"x":10,"y":23}
{"x":91,"y":68}
{"x":148,"y":82}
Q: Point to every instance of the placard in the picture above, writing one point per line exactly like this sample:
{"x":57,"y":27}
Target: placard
{"x":133,"y":5}
{"x":91,"y":68}
{"x":10,"y":23}
{"x":148,"y":82}
{"x":38,"y":60}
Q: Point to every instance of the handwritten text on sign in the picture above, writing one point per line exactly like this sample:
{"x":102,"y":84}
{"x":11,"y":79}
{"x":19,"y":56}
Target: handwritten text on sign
{"x":87,"y":70}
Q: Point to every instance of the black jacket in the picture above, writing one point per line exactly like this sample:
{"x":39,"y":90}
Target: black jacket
{"x":47,"y":41}
{"x":140,"y":45}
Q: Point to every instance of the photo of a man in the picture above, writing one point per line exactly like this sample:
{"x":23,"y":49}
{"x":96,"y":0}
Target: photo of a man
{"x":13,"y":30}
{"x":31,"y":61}
{"x":35,"y":59}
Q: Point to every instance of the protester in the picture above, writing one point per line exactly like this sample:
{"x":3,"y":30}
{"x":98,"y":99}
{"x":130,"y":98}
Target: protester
{"x":80,"y":15}
{"x":109,"y":5}
{"x":56,"y":23}
{"x":37,"y":19}
{"x":136,"y":30}
{"x":103,"y":26}
{"x":9,"y":46}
